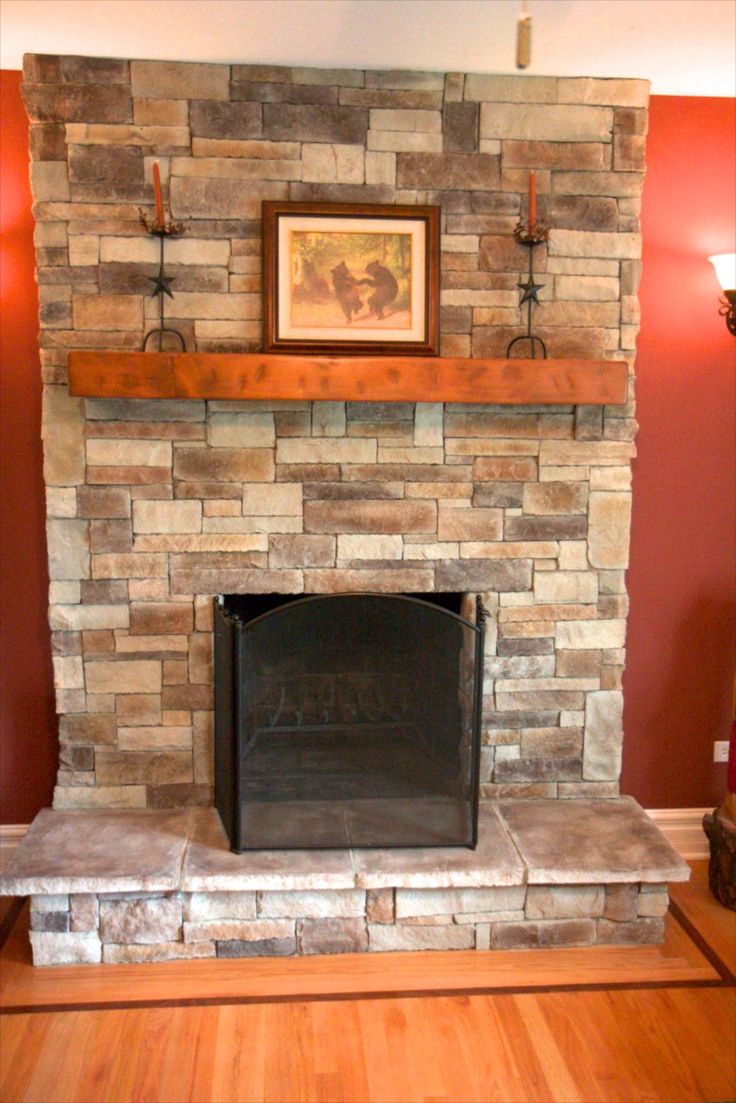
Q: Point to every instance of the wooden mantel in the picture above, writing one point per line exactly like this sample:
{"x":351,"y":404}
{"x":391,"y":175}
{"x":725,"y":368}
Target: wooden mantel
{"x":268,"y":376}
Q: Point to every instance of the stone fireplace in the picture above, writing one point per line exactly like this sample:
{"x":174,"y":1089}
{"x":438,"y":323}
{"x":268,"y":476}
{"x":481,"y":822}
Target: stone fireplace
{"x":155,"y":508}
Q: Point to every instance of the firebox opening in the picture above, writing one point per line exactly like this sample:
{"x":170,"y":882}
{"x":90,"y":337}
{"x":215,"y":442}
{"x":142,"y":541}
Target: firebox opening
{"x":347,"y":720}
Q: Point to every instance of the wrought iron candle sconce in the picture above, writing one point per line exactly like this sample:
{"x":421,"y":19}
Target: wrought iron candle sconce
{"x":162,"y":283}
{"x":530,"y":234}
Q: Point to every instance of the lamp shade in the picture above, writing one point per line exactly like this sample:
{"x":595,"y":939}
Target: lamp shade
{"x":725,"y":266}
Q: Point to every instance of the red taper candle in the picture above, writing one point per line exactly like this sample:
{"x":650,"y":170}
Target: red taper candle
{"x":532,"y":200}
{"x":158,"y":198}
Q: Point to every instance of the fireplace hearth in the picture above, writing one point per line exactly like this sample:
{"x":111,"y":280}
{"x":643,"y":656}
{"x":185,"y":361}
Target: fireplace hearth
{"x":348,"y":720}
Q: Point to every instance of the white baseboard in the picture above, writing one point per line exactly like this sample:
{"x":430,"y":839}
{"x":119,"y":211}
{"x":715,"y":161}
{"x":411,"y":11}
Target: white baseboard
{"x":683,"y":829}
{"x":10,"y":835}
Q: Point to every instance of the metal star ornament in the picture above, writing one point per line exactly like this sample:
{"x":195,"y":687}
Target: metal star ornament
{"x":162,"y":285}
{"x":531,"y":290}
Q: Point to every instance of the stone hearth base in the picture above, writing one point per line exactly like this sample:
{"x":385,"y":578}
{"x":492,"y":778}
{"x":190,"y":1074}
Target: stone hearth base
{"x":158,"y":886}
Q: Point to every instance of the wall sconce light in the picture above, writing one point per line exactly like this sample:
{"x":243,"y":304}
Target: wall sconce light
{"x":725,"y":266}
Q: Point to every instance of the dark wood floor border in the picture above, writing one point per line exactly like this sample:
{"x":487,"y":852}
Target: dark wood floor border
{"x":726,"y":979}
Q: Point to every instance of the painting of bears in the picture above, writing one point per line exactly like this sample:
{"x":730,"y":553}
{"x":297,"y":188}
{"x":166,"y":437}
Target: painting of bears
{"x":350,"y":279}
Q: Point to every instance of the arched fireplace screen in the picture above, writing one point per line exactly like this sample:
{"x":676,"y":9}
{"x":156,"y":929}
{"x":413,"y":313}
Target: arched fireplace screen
{"x":348,"y":720}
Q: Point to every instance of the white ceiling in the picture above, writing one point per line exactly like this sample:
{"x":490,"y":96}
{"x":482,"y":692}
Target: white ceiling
{"x":684,"y":47}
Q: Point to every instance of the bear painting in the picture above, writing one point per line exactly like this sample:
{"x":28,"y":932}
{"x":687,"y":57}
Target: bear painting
{"x":345,"y":279}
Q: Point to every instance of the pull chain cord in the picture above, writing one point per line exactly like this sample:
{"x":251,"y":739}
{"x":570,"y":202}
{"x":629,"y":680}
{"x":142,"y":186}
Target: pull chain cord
{"x":523,"y":38}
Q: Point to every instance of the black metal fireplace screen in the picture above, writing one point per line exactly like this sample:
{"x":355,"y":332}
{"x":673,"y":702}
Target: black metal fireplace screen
{"x":348,"y":720}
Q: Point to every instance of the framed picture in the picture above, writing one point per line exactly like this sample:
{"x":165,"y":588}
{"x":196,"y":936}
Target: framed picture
{"x":350,"y":278}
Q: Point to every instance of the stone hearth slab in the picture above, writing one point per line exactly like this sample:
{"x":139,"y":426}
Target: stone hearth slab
{"x":126,"y":851}
{"x":495,"y":861}
{"x":210,"y":865}
{"x":591,"y":841}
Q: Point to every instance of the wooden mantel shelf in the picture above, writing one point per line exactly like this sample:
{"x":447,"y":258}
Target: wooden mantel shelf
{"x":268,"y":376}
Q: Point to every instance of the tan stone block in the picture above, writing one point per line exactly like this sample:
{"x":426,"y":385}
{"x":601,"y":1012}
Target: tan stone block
{"x":148,"y":645}
{"x":621,"y":902}
{"x":431,"y":551}
{"x":143,"y":767}
{"x":413,"y":455}
{"x":470,"y":524}
{"x":505,"y":468}
{"x":251,"y":148}
{"x":64,"y":593}
{"x":408,"y":120}
{"x":509,"y":549}
{"x":380,"y":168}
{"x":167,"y":516}
{"x":510,"y":89}
{"x":63,"y":436}
{"x":61,"y":501}
{"x":107,"y":312}
{"x":159,"y":738}
{"x":585,"y":243}
{"x":580,"y":587}
{"x":455,"y":491}
{"x":136,"y":676}
{"x":140,"y":921}
{"x":618,"y":184}
{"x":115,"y":954}
{"x":325,"y":450}
{"x":199,"y":906}
{"x":136,"y":565}
{"x":272,"y":499}
{"x":224,"y":464}
{"x":578,"y":664}
{"x":369,"y":547}
{"x":564,"y":901}
{"x":546,"y":122}
{"x":157,"y":618}
{"x":608,"y":529}
{"x":78,"y":618}
{"x":395,"y":938}
{"x":56,"y":948}
{"x":161,"y":112}
{"x":307,"y":904}
{"x":301,"y":551}
{"x":364,"y":516}
{"x":587,"y":288}
{"x":380,"y":906}
{"x":197,"y":197}
{"x":617,"y":92}
{"x":254,"y":930}
{"x":653,"y":904}
{"x":401,"y":580}
{"x":134,"y":709}
{"x":68,"y":672}
{"x":175,"y":80}
{"x":402,"y":141}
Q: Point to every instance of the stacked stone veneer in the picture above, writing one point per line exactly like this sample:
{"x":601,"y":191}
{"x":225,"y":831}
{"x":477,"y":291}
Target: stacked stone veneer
{"x":154,"y":507}
{"x":129,"y":927}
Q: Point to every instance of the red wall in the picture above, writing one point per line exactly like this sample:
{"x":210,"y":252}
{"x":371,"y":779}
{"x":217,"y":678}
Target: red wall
{"x":679,"y":680}
{"x":28,"y":743}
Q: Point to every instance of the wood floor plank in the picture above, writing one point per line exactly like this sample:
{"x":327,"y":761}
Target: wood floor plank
{"x":708,"y":914}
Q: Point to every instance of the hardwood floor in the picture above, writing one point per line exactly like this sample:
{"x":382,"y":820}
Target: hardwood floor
{"x":609,"y":1024}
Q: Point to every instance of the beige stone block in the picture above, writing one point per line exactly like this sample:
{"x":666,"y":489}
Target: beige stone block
{"x":653,"y":904}
{"x":128,"y":453}
{"x":459,"y":243}
{"x":510,"y":89}
{"x":573,"y":555}
{"x":383,"y":937}
{"x":306,"y":904}
{"x":100,"y":796}
{"x":457,"y":492}
{"x":232,"y":168}
{"x":198,"y":305}
{"x":197,"y":197}
{"x":67,"y":948}
{"x":325,"y":450}
{"x":437,"y":551}
{"x":224,"y":464}
{"x":140,"y":921}
{"x":454,"y":297}
{"x":68,"y":673}
{"x":546,"y":122}
{"x":616,"y":92}
{"x":68,"y":549}
{"x":577,"y":635}
{"x":446,"y":902}
{"x":608,"y":529}
{"x":579,"y":266}
{"x":301,"y":551}
{"x":509,"y":549}
{"x":580,"y":587}
{"x":413,"y":121}
{"x":232,"y":147}
{"x":64,"y":593}
{"x":564,"y":901}
{"x":167,"y":737}
{"x":587,"y":288}
{"x":49,"y":181}
{"x":175,"y":80}
{"x":380,"y":168}
{"x":253,"y":930}
{"x":573,"y":453}
{"x":61,"y":501}
{"x":84,"y":249}
{"x":617,"y":184}
{"x":83,"y":911}
{"x":402,"y":141}
{"x":167,"y":516}
{"x":587,"y":243}
{"x":144,"y":767}
{"x":201,"y":906}
{"x":115,"y":954}
{"x":603,"y":735}
{"x":132,"y":676}
{"x":272,"y":499}
{"x":62,"y":431}
{"x":428,"y":424}
{"x":369,"y":547}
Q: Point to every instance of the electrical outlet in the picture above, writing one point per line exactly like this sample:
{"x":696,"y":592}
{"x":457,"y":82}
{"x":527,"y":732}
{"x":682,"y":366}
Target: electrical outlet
{"x":720,"y":750}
